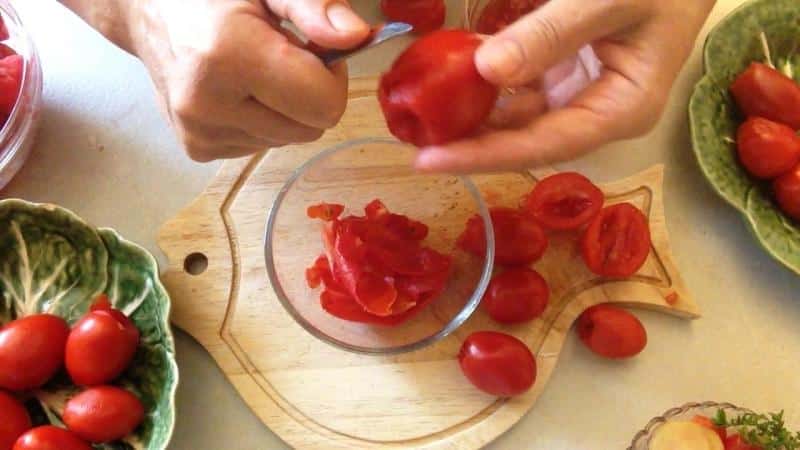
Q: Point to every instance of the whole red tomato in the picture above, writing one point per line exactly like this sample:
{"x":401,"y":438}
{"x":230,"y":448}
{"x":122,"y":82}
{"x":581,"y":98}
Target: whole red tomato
{"x":767,"y":149}
{"x":101,"y":345}
{"x":564,"y":201}
{"x":722,"y":432}
{"x":735,"y":442}
{"x":787,"y":193}
{"x":50,"y":438}
{"x":424,"y":15}
{"x":497,"y":363}
{"x":518,"y":239}
{"x":611,"y":332}
{"x":617,"y":241}
{"x":14,"y":420}
{"x":763,"y":91}
{"x":498,"y":14}
{"x":103,"y":414}
{"x":31,"y":351}
{"x":516,"y":295}
{"x":433,"y":93}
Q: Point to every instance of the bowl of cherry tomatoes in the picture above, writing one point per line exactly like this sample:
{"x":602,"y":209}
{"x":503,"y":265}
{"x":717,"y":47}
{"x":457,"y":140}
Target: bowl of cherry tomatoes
{"x":361,"y":250}
{"x":744,"y":117}
{"x":86,"y":352}
{"x":20,"y":93}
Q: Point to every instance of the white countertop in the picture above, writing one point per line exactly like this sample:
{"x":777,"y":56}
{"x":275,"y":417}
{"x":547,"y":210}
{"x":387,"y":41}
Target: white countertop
{"x":105,"y":152}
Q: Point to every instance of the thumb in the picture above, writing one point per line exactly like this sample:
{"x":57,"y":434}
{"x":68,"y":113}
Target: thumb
{"x":328,"y":23}
{"x":524,"y":50}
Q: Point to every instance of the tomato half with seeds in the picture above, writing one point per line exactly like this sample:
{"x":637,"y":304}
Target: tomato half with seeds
{"x":497,"y":363}
{"x":611,"y":332}
{"x":516,"y":295}
{"x":31,"y":351}
{"x":103,"y":414}
{"x":424,"y":15}
{"x":617,"y":242}
{"x":14,"y":420}
{"x":764,"y":92}
{"x":49,"y":437}
{"x":498,"y":14}
{"x":519,"y":240}
{"x":787,"y":193}
{"x":767,"y":149}
{"x":564,"y":201}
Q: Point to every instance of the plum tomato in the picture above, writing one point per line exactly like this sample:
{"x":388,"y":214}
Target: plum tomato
{"x":763,"y":91}
{"x":101,"y":345}
{"x":49,"y":437}
{"x":3,"y":30}
{"x":103,"y":414}
{"x":433,"y":94}
{"x":736,"y":442}
{"x":708,"y":423}
{"x":611,"y":332}
{"x":564,"y":201}
{"x":498,"y":14}
{"x":10,"y":82}
{"x":518,"y":239}
{"x":617,"y":242}
{"x":31,"y":351}
{"x":14,"y":421}
{"x":516,"y":295}
{"x":767,"y":149}
{"x":424,"y":15}
{"x":325,"y":211}
{"x":787,"y":192}
{"x":497,"y":363}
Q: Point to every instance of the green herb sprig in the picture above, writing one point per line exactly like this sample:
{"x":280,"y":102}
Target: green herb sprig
{"x":767,"y":431}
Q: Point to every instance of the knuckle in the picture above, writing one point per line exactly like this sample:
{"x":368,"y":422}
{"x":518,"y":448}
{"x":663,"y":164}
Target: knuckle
{"x":184,"y":102}
{"x":548,"y":32}
{"x":197,"y":149}
{"x":645,"y":118}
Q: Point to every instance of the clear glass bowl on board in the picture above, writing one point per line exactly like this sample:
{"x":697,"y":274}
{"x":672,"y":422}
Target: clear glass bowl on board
{"x":353,"y":174}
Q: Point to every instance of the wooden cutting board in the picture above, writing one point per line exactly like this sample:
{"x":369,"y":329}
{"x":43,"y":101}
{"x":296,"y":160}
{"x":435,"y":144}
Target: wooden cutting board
{"x":315,"y":396}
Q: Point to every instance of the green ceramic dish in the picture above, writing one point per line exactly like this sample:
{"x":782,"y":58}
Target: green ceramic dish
{"x":730,"y":48}
{"x":53,"y":261}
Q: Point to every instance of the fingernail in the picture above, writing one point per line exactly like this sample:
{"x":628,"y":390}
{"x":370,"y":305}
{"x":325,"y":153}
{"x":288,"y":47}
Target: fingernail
{"x":343,"y":18}
{"x":501,"y":58}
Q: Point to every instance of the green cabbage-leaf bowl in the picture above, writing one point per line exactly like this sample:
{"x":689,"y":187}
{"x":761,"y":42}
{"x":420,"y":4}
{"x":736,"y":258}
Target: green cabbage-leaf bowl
{"x":52,"y":261}
{"x":756,"y":29}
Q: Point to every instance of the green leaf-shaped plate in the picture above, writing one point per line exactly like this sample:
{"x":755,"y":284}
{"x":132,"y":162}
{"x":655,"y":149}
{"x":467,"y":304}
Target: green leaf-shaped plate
{"x":53,"y":261}
{"x":731,"y":46}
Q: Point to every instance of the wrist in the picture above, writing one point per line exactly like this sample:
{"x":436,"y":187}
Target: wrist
{"x":111,"y":18}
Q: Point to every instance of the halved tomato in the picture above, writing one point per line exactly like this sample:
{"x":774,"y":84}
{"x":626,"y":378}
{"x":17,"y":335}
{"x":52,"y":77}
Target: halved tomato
{"x":564,"y":201}
{"x":617,"y":242}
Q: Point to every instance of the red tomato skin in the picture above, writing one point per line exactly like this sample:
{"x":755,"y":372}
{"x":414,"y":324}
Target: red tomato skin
{"x":49,"y":437}
{"x":767,"y":149}
{"x":763,"y":91}
{"x":518,"y":239}
{"x":497,"y":363}
{"x":103,"y":414}
{"x":617,"y":242}
{"x":10,"y":82}
{"x":516,"y":295}
{"x":433,"y":94}
{"x":3,"y":30}
{"x":735,"y":442}
{"x":424,"y":15}
{"x":708,"y":423}
{"x":787,"y":193}
{"x":100,"y":346}
{"x":498,"y":14}
{"x":565,"y":201}
{"x":612,"y":332}
{"x":14,"y":421}
{"x":31,"y":351}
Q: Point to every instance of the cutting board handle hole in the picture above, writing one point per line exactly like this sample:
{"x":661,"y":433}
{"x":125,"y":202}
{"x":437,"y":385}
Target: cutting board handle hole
{"x":195,"y":263}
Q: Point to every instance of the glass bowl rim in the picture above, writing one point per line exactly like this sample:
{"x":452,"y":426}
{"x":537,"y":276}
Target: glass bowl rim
{"x":465,"y":313}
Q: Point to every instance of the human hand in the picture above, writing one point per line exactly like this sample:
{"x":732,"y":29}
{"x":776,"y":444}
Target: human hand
{"x":642,"y":44}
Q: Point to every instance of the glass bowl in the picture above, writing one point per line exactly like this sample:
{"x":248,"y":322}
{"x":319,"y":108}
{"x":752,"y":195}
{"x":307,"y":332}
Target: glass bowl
{"x":642,"y":439}
{"x":353,"y":174}
{"x":18,"y":133}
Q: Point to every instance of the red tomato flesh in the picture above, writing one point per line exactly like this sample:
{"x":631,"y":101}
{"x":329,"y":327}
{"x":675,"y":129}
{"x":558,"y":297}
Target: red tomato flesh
{"x":767,"y":149}
{"x":497,"y":363}
{"x":611,"y":332}
{"x":433,"y":94}
{"x":518,"y":239}
{"x":424,"y":15}
{"x":325,"y":211}
{"x":50,"y":438}
{"x":498,"y":14}
{"x":763,"y":91}
{"x":516,"y":295}
{"x":564,"y":201}
{"x":787,"y":193}
{"x":708,"y":423}
{"x":10,"y":82}
{"x":14,"y":420}
{"x":735,"y":442}
{"x":617,"y":242}
{"x":31,"y":351}
{"x":103,"y":414}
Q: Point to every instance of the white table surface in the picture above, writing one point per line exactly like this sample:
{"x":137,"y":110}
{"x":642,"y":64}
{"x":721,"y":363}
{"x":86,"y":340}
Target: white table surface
{"x":105,"y":152}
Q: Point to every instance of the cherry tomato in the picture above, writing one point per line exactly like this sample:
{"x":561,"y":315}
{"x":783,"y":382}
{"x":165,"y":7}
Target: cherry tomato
{"x":497,"y":363}
{"x":612,"y":332}
{"x":787,"y":193}
{"x":564,"y":201}
{"x":518,"y":239}
{"x":103,"y":414}
{"x":433,"y":93}
{"x":617,"y":241}
{"x":14,"y":420}
{"x":735,"y":442}
{"x":516,"y":295}
{"x":325,"y":211}
{"x":708,"y":423}
{"x":101,"y":345}
{"x":50,"y":438}
{"x":10,"y":82}
{"x":763,"y":91}
{"x":767,"y":149}
{"x":499,"y":14}
{"x":424,"y":15}
{"x":31,"y":351}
